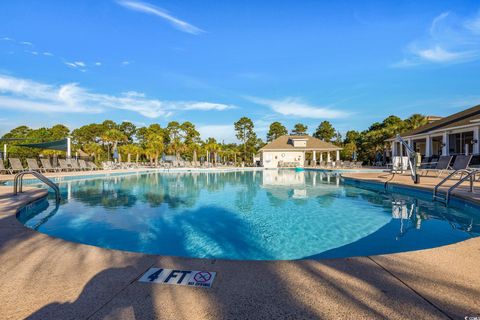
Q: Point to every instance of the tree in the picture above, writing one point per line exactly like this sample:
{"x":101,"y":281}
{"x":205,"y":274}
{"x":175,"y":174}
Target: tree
{"x":212,"y":147}
{"x":245,"y":133}
{"x":127,"y":150}
{"x":276,"y":130}
{"x":153,"y":141}
{"x":88,"y":133}
{"x":337,"y":139}
{"x":58,"y":132}
{"x":191,"y":139}
{"x":325,"y":131}
{"x":299,"y":129}
{"x":128,"y":129}
{"x":351,"y":136}
{"x":112,"y":137}
{"x":174,"y":137}
{"x":415,"y":120}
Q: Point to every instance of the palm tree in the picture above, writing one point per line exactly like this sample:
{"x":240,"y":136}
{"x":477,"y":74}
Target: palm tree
{"x":129,"y":149}
{"x":154,"y":146}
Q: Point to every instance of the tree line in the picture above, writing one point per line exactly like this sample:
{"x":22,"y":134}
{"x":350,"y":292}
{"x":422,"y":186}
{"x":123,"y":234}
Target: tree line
{"x":151,"y":142}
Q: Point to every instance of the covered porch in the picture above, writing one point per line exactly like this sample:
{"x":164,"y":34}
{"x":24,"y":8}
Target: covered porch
{"x":319,"y":156}
{"x":452,"y":142}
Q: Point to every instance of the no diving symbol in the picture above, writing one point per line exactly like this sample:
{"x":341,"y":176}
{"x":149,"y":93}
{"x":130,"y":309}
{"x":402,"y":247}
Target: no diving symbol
{"x":202,"y":276}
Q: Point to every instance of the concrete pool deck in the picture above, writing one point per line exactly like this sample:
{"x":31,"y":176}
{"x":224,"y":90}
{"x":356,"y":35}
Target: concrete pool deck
{"x":47,"y":278}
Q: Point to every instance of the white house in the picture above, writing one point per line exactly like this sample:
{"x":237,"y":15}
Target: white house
{"x":291,"y":151}
{"x":456,"y":134}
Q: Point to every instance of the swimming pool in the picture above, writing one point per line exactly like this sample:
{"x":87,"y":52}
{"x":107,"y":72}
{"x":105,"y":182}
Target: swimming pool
{"x":253,"y":215}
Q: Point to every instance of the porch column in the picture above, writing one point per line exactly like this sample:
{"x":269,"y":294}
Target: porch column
{"x":476,"y":136}
{"x":314,"y":157}
{"x":338,"y":156}
{"x":321,"y":156}
{"x":410,"y":142}
{"x":428,"y":146}
{"x":328,"y":157}
{"x":5,"y":152}
{"x":394,"y":148}
{"x":445,"y":144}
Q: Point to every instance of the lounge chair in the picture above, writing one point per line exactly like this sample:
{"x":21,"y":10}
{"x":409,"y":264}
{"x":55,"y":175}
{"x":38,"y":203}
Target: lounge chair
{"x":64,"y":166}
{"x":47,"y":166}
{"x":33,"y":165}
{"x":16,"y":165}
{"x":461,"y":162}
{"x":442,"y":165}
{"x":3,"y":170}
{"x":74,"y":164}
{"x":83,"y":165}
{"x":92,"y":165}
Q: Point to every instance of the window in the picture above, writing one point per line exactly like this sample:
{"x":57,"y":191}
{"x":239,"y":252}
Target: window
{"x":457,"y":142}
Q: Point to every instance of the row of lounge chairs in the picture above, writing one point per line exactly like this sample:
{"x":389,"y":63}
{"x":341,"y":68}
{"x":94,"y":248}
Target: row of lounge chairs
{"x":444,"y":165}
{"x":46,"y":166}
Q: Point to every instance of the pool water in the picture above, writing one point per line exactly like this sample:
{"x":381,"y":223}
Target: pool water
{"x":253,"y":215}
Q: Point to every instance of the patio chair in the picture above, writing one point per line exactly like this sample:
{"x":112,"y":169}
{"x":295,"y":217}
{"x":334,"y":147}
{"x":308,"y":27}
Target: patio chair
{"x":358,"y":164}
{"x":64,"y":166}
{"x":47,"y":166}
{"x":16,"y":165}
{"x":4,"y":170}
{"x":33,"y":165}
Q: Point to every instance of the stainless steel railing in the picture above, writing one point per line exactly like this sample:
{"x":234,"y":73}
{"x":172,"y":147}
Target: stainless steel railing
{"x":469,"y":175}
{"x":18,"y":183}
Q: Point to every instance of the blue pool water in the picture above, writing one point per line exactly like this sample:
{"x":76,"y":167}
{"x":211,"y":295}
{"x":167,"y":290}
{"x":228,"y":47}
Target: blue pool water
{"x":262,"y":215}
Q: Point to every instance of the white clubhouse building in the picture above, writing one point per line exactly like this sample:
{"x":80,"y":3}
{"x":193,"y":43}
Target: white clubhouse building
{"x":456,"y":134}
{"x":292,"y":150}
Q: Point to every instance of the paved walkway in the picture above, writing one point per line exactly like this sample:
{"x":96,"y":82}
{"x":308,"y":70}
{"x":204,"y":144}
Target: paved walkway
{"x":46,"y":278}
{"x":426,"y":183}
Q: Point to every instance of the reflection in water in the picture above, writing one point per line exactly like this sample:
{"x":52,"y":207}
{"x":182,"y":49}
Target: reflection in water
{"x":247,"y":215}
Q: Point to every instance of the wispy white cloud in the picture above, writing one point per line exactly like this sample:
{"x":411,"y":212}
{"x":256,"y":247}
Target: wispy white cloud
{"x":296,"y":107}
{"x":46,"y":53}
{"x":451,"y":39}
{"x":6,"y":39}
{"x":126,"y":63}
{"x":27,"y":43}
{"x":473,"y":24}
{"x":205,"y":106}
{"x":29,"y":95}
{"x":80,"y":65}
{"x":98,"y":64}
{"x":437,"y":20}
{"x":438,"y":54}
{"x":159,"y":12}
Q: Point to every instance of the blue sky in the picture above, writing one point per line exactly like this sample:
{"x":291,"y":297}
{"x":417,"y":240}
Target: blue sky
{"x":212,"y":62}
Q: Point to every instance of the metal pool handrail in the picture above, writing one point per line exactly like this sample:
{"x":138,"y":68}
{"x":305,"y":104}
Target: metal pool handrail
{"x":18,"y":183}
{"x":469,"y":175}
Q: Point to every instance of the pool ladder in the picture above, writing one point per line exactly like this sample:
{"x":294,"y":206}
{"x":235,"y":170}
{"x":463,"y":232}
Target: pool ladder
{"x":445,"y":198}
{"x":18,"y":183}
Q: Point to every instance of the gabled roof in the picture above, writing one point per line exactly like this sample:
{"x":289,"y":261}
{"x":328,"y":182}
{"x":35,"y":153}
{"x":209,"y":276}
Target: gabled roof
{"x":286,"y":143}
{"x":461,"y":118}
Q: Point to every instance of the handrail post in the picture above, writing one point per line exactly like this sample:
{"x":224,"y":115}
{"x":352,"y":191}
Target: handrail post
{"x":18,"y":183}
